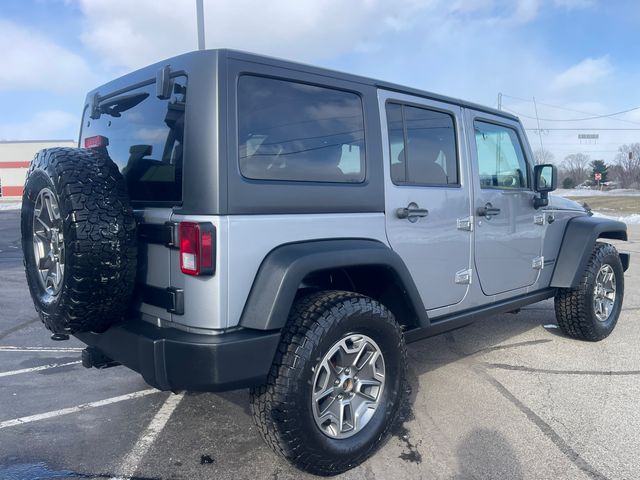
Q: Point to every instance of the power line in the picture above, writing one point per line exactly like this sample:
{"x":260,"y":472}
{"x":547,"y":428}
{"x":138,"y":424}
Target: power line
{"x":610,"y":115}
{"x":593,"y":116}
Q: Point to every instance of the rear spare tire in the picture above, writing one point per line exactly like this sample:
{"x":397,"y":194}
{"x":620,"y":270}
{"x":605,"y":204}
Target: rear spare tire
{"x":78,"y":240}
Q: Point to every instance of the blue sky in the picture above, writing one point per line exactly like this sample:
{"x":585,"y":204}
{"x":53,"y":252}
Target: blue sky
{"x":580,"y":55}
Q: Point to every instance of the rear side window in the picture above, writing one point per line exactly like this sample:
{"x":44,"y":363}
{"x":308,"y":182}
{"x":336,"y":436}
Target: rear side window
{"x":422,"y":144}
{"x":144,"y":137}
{"x":298,"y":132}
{"x":501,"y":161}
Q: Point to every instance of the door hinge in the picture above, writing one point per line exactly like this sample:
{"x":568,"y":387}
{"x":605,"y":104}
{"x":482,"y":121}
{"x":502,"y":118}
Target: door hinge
{"x":463,"y":277}
{"x":466,"y":224}
{"x":539,"y":219}
{"x":538,"y":263}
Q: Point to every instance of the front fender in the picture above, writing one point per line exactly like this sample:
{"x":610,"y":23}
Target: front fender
{"x":577,"y":244}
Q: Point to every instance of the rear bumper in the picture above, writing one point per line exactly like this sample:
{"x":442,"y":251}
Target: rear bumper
{"x":170,"y":359}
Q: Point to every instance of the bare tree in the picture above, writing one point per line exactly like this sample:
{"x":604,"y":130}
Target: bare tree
{"x":616,"y":174}
{"x":628,"y":159}
{"x":542,"y":155}
{"x":576,"y":167}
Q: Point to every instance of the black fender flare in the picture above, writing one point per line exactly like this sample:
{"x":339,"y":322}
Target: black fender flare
{"x":283,"y":269}
{"x":579,"y":239}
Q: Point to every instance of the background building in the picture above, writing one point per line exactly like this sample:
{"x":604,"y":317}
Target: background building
{"x":15,"y":158}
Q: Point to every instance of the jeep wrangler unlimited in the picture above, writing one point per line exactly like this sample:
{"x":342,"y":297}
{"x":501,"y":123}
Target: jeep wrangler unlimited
{"x":230,"y":220}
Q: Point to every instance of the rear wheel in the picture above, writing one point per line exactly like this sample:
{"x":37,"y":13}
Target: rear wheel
{"x":591,"y":310}
{"x":336,"y":384}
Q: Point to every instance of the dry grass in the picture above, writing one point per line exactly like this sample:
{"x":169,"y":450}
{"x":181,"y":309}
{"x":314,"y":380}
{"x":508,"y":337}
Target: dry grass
{"x":623,"y":205}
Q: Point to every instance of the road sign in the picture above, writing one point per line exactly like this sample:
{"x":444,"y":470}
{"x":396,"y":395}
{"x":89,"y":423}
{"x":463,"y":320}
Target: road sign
{"x":598,"y":176}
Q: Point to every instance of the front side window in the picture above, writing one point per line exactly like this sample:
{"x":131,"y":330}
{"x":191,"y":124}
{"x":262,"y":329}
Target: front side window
{"x":422,"y":144}
{"x":299,"y":132}
{"x":501,"y":161}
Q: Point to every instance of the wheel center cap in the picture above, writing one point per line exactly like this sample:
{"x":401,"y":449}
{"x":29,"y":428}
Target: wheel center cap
{"x":347,"y":385}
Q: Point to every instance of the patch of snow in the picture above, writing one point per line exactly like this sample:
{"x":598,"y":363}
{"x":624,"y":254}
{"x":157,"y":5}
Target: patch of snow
{"x":633,"y":219}
{"x":10,"y":206}
{"x":585,"y":192}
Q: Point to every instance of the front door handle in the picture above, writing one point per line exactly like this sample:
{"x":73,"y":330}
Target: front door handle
{"x":412,"y":212}
{"x":488,"y":211}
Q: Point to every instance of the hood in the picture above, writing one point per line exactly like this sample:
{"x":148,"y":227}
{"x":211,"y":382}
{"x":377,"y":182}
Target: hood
{"x":561,"y":203}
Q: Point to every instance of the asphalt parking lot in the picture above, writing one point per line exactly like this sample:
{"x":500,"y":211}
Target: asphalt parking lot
{"x":506,"y":398}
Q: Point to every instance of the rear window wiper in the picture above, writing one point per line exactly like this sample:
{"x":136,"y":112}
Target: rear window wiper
{"x":115,"y":106}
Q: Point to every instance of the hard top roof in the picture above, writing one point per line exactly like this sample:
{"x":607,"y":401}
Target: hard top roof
{"x":114,"y":86}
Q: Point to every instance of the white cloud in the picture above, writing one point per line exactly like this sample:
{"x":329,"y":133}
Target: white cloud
{"x":32,"y":61}
{"x":132,"y":34}
{"x":43,"y":125}
{"x":589,"y":71}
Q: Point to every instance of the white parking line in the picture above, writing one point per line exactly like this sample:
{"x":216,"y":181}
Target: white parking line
{"x":84,"y":406}
{"x":132,"y":461}
{"x":40,"y":349}
{"x":37,"y":369}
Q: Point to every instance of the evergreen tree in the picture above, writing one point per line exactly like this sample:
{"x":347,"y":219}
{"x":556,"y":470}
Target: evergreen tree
{"x":598,"y":166}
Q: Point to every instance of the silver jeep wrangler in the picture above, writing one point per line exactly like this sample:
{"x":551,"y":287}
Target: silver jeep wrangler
{"x":230,"y":220}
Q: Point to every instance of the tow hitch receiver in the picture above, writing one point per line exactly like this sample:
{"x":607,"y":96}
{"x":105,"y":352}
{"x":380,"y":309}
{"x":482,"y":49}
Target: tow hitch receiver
{"x":93,"y":357}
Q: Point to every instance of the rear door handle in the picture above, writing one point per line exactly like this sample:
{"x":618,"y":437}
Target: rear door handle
{"x":488,"y":211}
{"x":412,"y":212}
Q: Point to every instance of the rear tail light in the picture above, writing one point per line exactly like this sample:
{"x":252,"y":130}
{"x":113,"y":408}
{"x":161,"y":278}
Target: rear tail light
{"x":197,"y":248}
{"x":96,"y":142}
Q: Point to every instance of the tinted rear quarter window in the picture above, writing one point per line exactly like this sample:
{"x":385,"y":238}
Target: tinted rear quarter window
{"x":145,"y":137}
{"x":298,"y":132}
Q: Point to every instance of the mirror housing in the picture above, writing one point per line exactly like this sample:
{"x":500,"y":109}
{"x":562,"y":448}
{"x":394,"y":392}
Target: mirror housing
{"x":545,"y":178}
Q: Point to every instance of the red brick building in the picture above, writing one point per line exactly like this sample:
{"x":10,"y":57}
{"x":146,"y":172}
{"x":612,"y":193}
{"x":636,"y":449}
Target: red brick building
{"x":15,"y":158}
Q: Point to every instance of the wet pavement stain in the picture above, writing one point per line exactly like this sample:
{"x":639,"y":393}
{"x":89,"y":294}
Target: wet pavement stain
{"x":40,"y":471}
{"x":206,"y":459}
{"x":410,"y":451}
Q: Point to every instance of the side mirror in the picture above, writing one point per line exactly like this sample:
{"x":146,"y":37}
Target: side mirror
{"x":545,"y":178}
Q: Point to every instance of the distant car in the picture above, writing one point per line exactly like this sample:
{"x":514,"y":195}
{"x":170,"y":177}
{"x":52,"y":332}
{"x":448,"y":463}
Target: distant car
{"x":230,"y":221}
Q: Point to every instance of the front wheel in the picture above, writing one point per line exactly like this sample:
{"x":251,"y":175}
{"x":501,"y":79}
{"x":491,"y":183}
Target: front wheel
{"x":591,"y":310}
{"x":336,"y":384}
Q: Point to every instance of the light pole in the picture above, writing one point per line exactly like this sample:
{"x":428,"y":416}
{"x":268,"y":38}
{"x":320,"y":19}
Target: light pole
{"x":200,"y":20}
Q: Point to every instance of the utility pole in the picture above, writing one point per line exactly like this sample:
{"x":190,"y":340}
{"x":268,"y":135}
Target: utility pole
{"x":200,"y":22}
{"x":535,"y":106}
{"x":499,"y":100}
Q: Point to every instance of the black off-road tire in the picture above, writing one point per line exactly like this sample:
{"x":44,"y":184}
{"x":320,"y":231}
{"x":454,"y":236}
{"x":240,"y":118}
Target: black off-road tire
{"x":100,"y":245}
{"x":282,"y":409}
{"x":574,"y":306}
